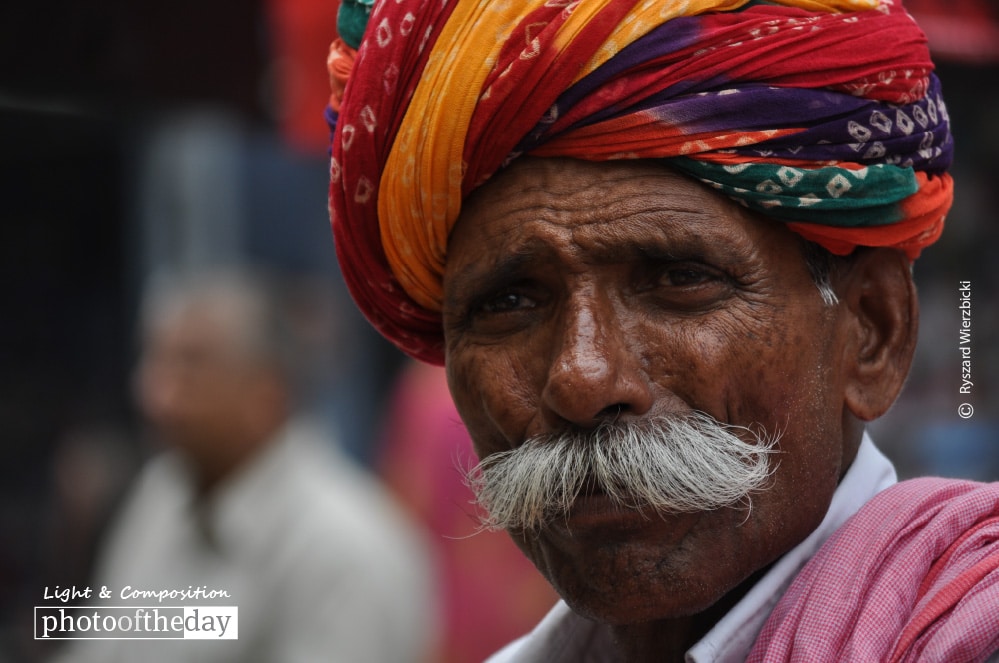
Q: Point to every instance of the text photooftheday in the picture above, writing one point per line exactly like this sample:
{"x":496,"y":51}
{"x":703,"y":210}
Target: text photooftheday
{"x":137,"y":623}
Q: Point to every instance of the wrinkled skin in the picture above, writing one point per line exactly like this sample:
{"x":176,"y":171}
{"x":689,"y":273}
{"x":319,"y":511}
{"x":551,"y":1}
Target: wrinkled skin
{"x":577,"y":292}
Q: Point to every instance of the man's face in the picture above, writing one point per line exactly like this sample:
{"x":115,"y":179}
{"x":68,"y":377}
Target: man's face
{"x":577,"y":292}
{"x":192,"y":380}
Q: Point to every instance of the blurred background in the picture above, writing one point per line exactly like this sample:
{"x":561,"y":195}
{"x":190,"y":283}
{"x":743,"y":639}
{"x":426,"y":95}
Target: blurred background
{"x":138,"y":138}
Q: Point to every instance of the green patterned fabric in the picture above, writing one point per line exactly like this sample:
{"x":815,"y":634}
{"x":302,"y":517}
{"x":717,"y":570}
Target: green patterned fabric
{"x":871,"y":194}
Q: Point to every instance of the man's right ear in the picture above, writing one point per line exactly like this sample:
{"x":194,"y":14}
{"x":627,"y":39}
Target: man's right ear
{"x":883,"y":319}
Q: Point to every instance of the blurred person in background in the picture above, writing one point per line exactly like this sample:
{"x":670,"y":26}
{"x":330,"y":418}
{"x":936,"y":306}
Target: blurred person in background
{"x":249,"y":499}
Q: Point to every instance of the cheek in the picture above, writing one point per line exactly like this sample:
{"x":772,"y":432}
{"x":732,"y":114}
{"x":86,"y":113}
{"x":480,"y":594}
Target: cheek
{"x":787,"y":383}
{"x":752,"y":369}
{"x":794,"y":377}
{"x":492,"y":391}
{"x":769,"y":369}
{"x":701,"y":362}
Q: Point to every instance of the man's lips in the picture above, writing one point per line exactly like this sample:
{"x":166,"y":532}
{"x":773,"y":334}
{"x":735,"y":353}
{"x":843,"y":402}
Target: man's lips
{"x":594,"y":511}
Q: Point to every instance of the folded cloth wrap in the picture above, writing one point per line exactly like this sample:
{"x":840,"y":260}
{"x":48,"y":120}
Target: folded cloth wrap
{"x":824,"y":114}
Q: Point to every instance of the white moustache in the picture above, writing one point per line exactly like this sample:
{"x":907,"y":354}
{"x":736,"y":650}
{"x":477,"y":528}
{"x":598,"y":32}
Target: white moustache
{"x":671,"y":464}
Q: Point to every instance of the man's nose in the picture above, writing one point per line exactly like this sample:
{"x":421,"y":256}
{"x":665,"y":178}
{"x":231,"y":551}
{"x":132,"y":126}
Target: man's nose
{"x":158,"y":389}
{"x":596,"y":373}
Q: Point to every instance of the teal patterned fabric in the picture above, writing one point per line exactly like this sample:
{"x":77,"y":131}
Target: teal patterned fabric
{"x":352,"y":19}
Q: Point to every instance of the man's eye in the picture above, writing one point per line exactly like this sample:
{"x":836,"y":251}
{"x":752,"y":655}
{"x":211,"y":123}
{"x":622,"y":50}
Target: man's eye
{"x":689,"y":286}
{"x":685,"y":277}
{"x":506,"y":302}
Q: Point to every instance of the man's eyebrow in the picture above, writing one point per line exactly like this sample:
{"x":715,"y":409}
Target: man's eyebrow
{"x":475,"y":278}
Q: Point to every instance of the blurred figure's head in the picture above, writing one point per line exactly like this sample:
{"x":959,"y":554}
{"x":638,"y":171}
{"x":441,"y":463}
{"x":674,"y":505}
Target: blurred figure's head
{"x":214,"y":376}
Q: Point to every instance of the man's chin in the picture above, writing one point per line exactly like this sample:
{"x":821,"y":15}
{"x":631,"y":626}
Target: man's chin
{"x":625,"y":602}
{"x":620,"y":567}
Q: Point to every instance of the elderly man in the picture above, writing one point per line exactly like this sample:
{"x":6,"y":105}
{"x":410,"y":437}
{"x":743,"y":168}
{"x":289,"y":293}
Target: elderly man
{"x":664,"y":251}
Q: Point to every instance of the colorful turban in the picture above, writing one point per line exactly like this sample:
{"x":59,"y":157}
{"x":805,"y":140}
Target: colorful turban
{"x":824,"y":114}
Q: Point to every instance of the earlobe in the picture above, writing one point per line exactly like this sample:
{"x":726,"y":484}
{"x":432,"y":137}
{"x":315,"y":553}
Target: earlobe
{"x":880,"y":297}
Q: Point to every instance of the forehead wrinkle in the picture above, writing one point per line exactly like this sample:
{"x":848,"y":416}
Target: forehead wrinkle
{"x":656,"y":241}
{"x":664,"y":234}
{"x":606,"y":220}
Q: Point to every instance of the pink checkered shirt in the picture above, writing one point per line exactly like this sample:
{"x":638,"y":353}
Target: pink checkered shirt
{"x":913,"y":576}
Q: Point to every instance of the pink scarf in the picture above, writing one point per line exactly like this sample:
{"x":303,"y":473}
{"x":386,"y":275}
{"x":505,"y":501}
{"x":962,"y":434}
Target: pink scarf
{"x":913,"y":576}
